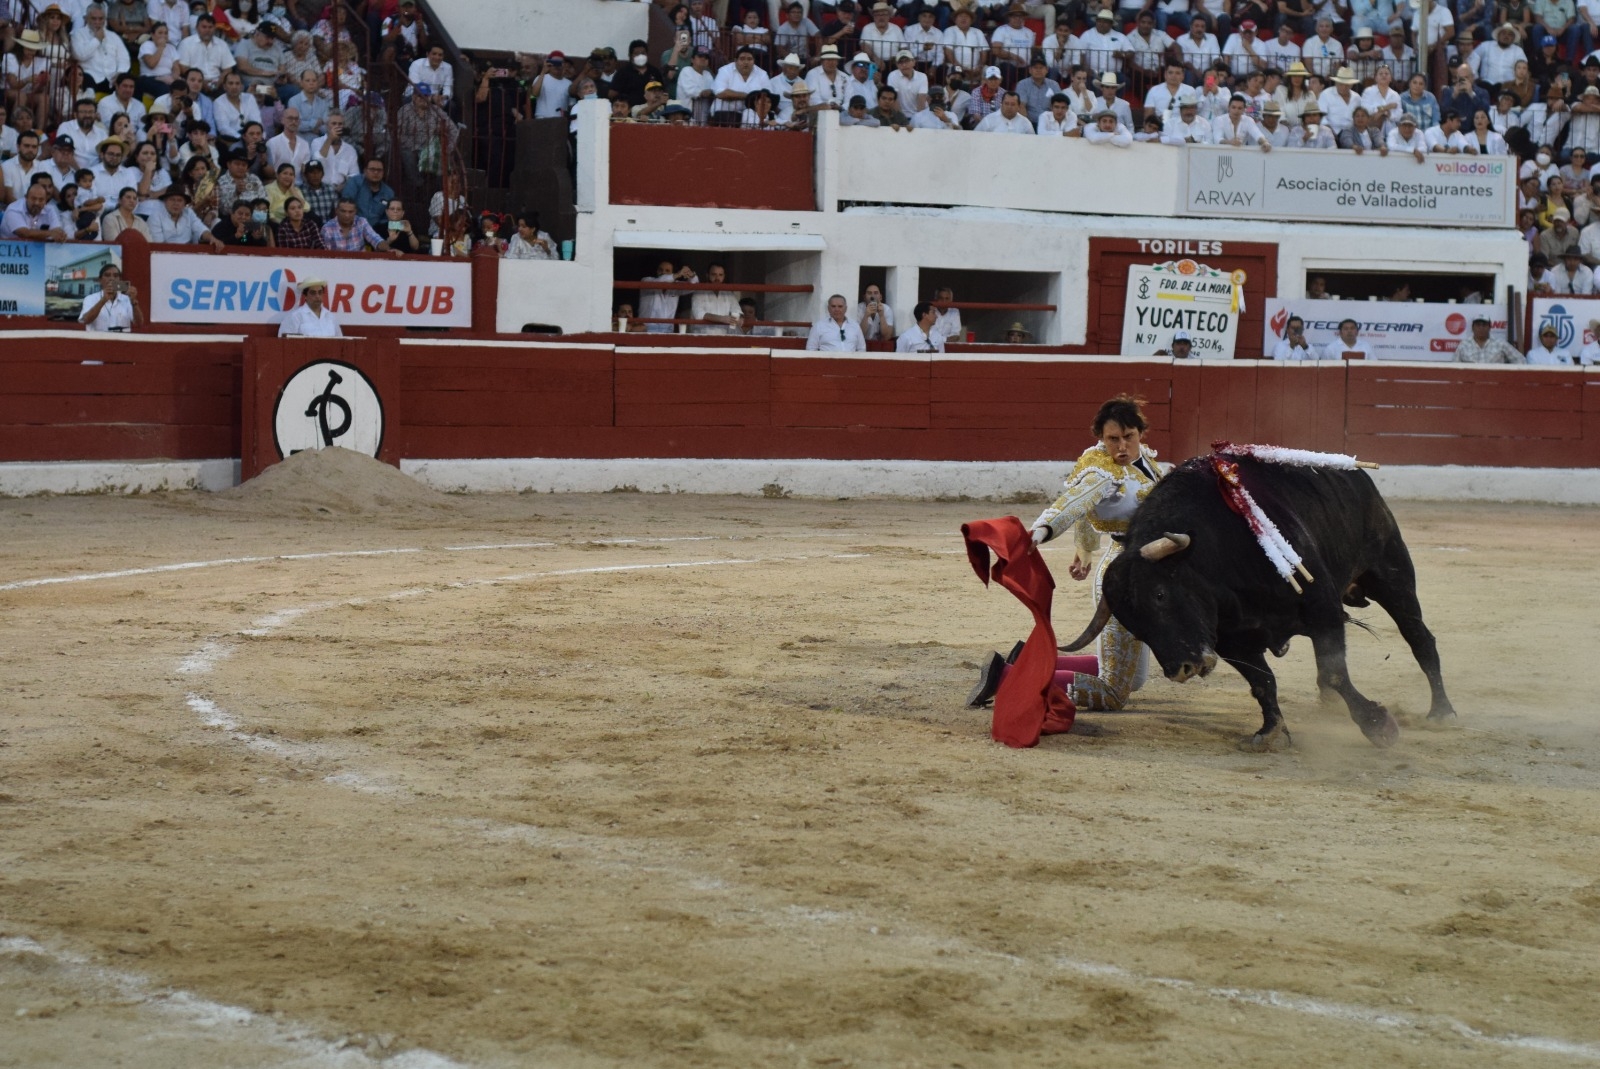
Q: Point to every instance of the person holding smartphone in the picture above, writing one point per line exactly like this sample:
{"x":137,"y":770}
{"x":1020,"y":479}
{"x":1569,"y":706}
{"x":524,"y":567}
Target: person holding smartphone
{"x":115,"y":307}
{"x":875,"y":318}
{"x":398,"y":236}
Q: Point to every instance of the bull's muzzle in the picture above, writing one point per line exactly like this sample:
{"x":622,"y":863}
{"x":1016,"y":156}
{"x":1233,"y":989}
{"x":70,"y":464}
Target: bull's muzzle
{"x":1188,"y":669}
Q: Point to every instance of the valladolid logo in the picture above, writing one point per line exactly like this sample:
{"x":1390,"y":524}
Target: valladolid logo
{"x":328,"y":403}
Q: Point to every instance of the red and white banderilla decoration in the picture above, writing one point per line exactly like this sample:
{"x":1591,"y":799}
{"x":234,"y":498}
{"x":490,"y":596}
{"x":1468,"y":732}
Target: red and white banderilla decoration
{"x":1283,"y":556}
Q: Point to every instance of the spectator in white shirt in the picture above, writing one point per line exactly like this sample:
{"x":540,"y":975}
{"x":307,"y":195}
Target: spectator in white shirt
{"x":923,"y":337}
{"x":83,"y":131}
{"x":1349,"y":341}
{"x":836,"y":332}
{"x":234,"y":108}
{"x":1447,"y":137}
{"x":123,"y":100}
{"x":1283,"y":51}
{"x":1497,"y":61}
{"x":1293,"y":344}
{"x":1059,"y":121}
{"x":1103,"y":48}
{"x":908,"y":83}
{"x":1571,"y":276}
{"x":737,"y":80}
{"x":875,"y":317}
{"x":1244,"y":53}
{"x":882,"y":38}
{"x":697,"y":85}
{"x":1188,"y":127}
{"x":1405,"y":137}
{"x":1109,"y":86}
{"x":663,"y":304}
{"x":1159,"y":100}
{"x":1548,"y":350}
{"x":432,"y":71}
{"x":1199,"y":48}
{"x":1108,"y":130}
{"x":551,"y":90}
{"x":965,"y":46}
{"x":112,"y":307}
{"x":101,"y":54}
{"x":309,"y":318}
{"x":1322,"y":53}
{"x":948,"y":323}
{"x":337,"y":156}
{"x":1062,"y":50}
{"x":1011,"y":46}
{"x":1008,"y":120}
{"x":936,"y":116}
{"x":1236,"y":128}
{"x":1380,"y":99}
{"x":715,"y":311}
{"x":1339,"y":100}
{"x":206,"y":52}
{"x":1274,"y":131}
{"x":289,"y":147}
{"x":1315,"y":133}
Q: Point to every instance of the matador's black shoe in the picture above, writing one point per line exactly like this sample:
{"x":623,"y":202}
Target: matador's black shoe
{"x":988,"y":681}
{"x":1016,"y":651}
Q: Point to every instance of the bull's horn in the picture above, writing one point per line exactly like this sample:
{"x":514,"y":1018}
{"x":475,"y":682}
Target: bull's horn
{"x":1102,"y":616}
{"x":1164,"y":547}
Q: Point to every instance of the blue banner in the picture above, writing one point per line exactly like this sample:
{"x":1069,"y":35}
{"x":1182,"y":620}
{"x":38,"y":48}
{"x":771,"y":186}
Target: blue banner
{"x":22,"y":278}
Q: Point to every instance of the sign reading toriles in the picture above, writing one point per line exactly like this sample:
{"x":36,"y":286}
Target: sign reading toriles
{"x":1182,"y":296}
{"x":1307,"y":186}
{"x":1393,"y":330}
{"x":194,"y":288}
{"x":328,"y":403}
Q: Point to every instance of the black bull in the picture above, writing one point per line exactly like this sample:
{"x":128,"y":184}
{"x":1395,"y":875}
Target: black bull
{"x":1194,"y":585}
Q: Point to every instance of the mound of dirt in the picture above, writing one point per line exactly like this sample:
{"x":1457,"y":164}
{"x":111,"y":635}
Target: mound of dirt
{"x":332,"y":482}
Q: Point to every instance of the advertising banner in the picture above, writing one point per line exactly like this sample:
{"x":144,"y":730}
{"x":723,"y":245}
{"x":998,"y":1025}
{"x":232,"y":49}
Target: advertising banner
{"x":1574,"y":318}
{"x":1393,"y":330}
{"x":202,"y":288}
{"x":1310,"y":186}
{"x":1182,"y":295}
{"x":47,"y":278}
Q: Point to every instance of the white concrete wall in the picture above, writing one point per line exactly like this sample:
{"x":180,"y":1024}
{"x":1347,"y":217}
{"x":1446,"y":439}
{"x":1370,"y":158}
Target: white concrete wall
{"x":1063,"y":206}
{"x":575,"y":27}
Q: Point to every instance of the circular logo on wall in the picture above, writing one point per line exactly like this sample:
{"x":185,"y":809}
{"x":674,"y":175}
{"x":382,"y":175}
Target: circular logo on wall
{"x":328,"y":403}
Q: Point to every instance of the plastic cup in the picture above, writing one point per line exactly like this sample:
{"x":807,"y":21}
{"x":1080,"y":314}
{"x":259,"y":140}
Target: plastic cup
{"x":622,"y":324}
{"x":436,"y":245}
{"x":566,"y":249}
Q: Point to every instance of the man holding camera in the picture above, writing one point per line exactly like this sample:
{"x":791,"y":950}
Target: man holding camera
{"x":114,"y":307}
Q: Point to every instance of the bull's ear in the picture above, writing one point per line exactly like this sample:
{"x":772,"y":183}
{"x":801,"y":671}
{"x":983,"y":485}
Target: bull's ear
{"x":1120,"y":539}
{"x":1165,"y":546}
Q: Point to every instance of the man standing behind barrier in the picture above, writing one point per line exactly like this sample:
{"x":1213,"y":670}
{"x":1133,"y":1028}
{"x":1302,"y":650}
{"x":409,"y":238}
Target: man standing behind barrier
{"x":715,"y":311}
{"x":836,"y":332}
{"x":1482,"y":349}
{"x":309,"y":319}
{"x":922,"y":338}
{"x":114,"y":307}
{"x":370,"y":193}
{"x":663,"y":304}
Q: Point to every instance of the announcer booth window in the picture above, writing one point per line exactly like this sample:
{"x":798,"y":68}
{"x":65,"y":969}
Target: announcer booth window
{"x":992,"y":301}
{"x":1430,"y":288}
{"x":781,"y":282}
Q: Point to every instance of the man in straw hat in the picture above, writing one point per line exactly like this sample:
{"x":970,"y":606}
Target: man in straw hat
{"x":1315,"y":132}
{"x":1011,"y":45}
{"x":1497,"y":61}
{"x":827,"y":81}
{"x":1017,"y":334}
{"x":1339,"y":100}
{"x":1109,"y":85}
{"x":1405,"y":137}
{"x":110,"y":176}
{"x":1104,"y":47}
{"x":309,"y":318}
{"x":881,"y":39}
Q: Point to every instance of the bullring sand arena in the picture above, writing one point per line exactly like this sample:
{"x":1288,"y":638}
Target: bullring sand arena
{"x":332,"y":770}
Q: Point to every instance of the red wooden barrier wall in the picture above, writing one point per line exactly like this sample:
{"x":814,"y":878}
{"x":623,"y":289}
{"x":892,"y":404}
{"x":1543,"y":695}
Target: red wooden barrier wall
{"x":473,"y":400}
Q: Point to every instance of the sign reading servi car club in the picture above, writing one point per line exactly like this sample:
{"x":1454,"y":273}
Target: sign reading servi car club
{"x":1310,"y":186}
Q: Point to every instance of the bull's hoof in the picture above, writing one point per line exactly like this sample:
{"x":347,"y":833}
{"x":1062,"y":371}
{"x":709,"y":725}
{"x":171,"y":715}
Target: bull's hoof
{"x":1381,"y":729}
{"x":1281,"y":649}
{"x":1442,"y":715}
{"x":1267,"y":741}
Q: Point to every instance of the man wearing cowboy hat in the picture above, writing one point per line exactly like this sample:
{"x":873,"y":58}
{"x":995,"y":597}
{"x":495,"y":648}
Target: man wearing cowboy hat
{"x":309,"y":318}
{"x":1010,"y":119}
{"x":965,"y":46}
{"x":1104,"y":47}
{"x":111,"y":176}
{"x":1570,"y":275}
{"x":1109,"y":85}
{"x":175,"y":223}
{"x":1188,"y":128}
{"x":1363,"y":56}
{"x":1274,"y":131}
{"x":1314,"y":132}
{"x":1497,"y":61}
{"x":882,"y":39}
{"x":1017,"y":334}
{"x":1339,"y":100}
{"x":828,"y":83}
{"x":1405,"y":137}
{"x":1011,"y":46}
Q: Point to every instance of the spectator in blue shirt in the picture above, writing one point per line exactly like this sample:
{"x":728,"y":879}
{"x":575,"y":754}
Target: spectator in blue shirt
{"x":370,"y":192}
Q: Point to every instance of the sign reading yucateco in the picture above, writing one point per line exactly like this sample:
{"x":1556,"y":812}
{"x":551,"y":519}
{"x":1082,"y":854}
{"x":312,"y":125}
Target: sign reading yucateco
{"x":194,"y":288}
{"x":1395,"y":330}
{"x":1308,"y":186}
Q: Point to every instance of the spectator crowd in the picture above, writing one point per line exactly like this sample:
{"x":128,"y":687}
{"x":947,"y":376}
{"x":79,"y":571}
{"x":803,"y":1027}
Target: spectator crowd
{"x":248,"y":123}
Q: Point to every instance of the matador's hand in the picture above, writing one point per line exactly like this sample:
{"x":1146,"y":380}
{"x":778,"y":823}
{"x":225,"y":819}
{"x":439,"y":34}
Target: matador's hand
{"x":1079,"y":568}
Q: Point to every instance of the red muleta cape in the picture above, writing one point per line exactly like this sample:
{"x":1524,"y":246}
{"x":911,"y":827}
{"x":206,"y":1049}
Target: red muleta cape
{"x":1029,"y":703}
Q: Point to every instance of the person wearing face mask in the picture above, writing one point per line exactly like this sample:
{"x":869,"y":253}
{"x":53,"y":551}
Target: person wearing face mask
{"x":240,"y":226}
{"x":630,"y":81}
